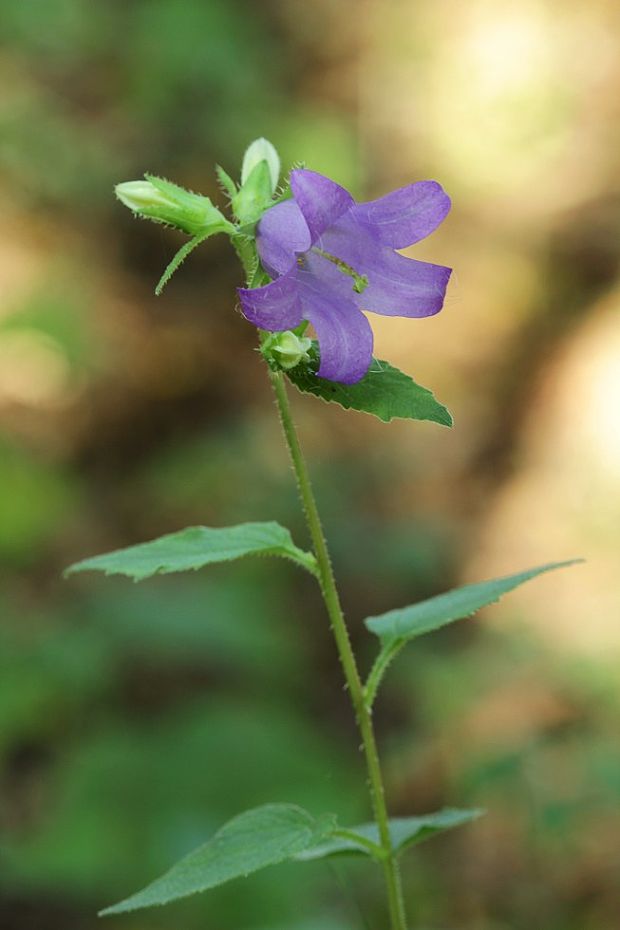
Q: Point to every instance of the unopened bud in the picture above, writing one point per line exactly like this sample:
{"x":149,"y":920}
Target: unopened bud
{"x":164,"y":202}
{"x":257,"y":151}
{"x":287,"y":349}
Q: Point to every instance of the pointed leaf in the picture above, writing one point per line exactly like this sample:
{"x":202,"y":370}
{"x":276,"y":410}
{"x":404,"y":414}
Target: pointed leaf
{"x":255,"y":839}
{"x":405,"y":832}
{"x":409,"y":622}
{"x":384,"y":391}
{"x":196,"y":546}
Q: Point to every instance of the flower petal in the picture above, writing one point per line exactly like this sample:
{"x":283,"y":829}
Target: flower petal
{"x":344,"y":333}
{"x":400,"y":286}
{"x":321,"y":200}
{"x":397,"y":286}
{"x":281,"y":233}
{"x":275,"y":306}
{"x":406,"y":215}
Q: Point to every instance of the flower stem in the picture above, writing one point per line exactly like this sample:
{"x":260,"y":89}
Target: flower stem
{"x":347,"y":658}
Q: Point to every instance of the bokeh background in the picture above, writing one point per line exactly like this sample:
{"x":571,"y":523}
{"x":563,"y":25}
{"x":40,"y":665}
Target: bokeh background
{"x":135,"y":719}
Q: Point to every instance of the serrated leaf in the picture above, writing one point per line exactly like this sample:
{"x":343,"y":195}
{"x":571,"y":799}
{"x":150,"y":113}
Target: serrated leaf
{"x":385,"y":392}
{"x":195,"y":547}
{"x":251,"y":841}
{"x":408,"y":622}
{"x":405,"y":832}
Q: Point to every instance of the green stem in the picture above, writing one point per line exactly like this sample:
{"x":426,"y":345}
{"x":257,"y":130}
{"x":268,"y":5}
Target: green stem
{"x":347,"y":658}
{"x":377,"y":852}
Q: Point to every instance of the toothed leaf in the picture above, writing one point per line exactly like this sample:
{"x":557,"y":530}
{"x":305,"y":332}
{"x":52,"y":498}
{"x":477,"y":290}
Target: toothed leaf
{"x":409,"y":622}
{"x":385,"y":392}
{"x":195,"y":547}
{"x":253,"y":840}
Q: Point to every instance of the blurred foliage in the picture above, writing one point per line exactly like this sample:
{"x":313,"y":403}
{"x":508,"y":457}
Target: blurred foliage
{"x":34,"y":498}
{"x":135,"y":719}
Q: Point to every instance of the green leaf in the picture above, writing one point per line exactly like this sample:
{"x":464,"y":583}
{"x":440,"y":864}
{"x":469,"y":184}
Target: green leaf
{"x":405,"y":832}
{"x":384,"y":391}
{"x":255,"y":839}
{"x":409,"y":622}
{"x":195,"y":547}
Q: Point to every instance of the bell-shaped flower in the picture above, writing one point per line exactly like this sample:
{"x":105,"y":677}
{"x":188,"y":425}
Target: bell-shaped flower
{"x":332,"y":258}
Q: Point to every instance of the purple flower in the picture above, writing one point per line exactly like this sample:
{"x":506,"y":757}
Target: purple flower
{"x":331,"y":258}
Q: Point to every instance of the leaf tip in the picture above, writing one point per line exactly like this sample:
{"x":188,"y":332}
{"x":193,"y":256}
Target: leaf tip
{"x":72,"y":569}
{"x":445,"y":418}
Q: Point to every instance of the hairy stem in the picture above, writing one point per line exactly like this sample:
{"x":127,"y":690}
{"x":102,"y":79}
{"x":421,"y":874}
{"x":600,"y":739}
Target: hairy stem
{"x":347,"y":658}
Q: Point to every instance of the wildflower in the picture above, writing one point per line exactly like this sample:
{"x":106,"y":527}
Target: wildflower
{"x":332,"y":258}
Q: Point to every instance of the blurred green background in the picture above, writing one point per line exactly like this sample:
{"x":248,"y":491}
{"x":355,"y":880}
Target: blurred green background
{"x":135,"y":719}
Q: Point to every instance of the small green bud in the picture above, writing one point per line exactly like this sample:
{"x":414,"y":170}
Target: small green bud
{"x":287,"y":349}
{"x":257,"y":151}
{"x":254,"y":197}
{"x":164,"y":202}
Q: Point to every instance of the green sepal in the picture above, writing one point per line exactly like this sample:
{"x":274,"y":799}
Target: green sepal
{"x":254,"y":197}
{"x":226,"y":182}
{"x":384,"y":391}
{"x":178,"y":260}
{"x":245,"y":247}
{"x":195,"y":547}
{"x":261,"y":150}
{"x":193,"y":213}
{"x":364,"y":840}
{"x":284,"y":191}
{"x":251,"y":841}
{"x":259,"y":277}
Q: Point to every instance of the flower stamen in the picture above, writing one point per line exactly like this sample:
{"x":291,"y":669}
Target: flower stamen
{"x":360,"y":281}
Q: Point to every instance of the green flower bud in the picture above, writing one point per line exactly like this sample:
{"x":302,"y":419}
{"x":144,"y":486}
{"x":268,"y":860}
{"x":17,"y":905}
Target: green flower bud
{"x":164,"y":202}
{"x":285,"y":350}
{"x":257,"y":151}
